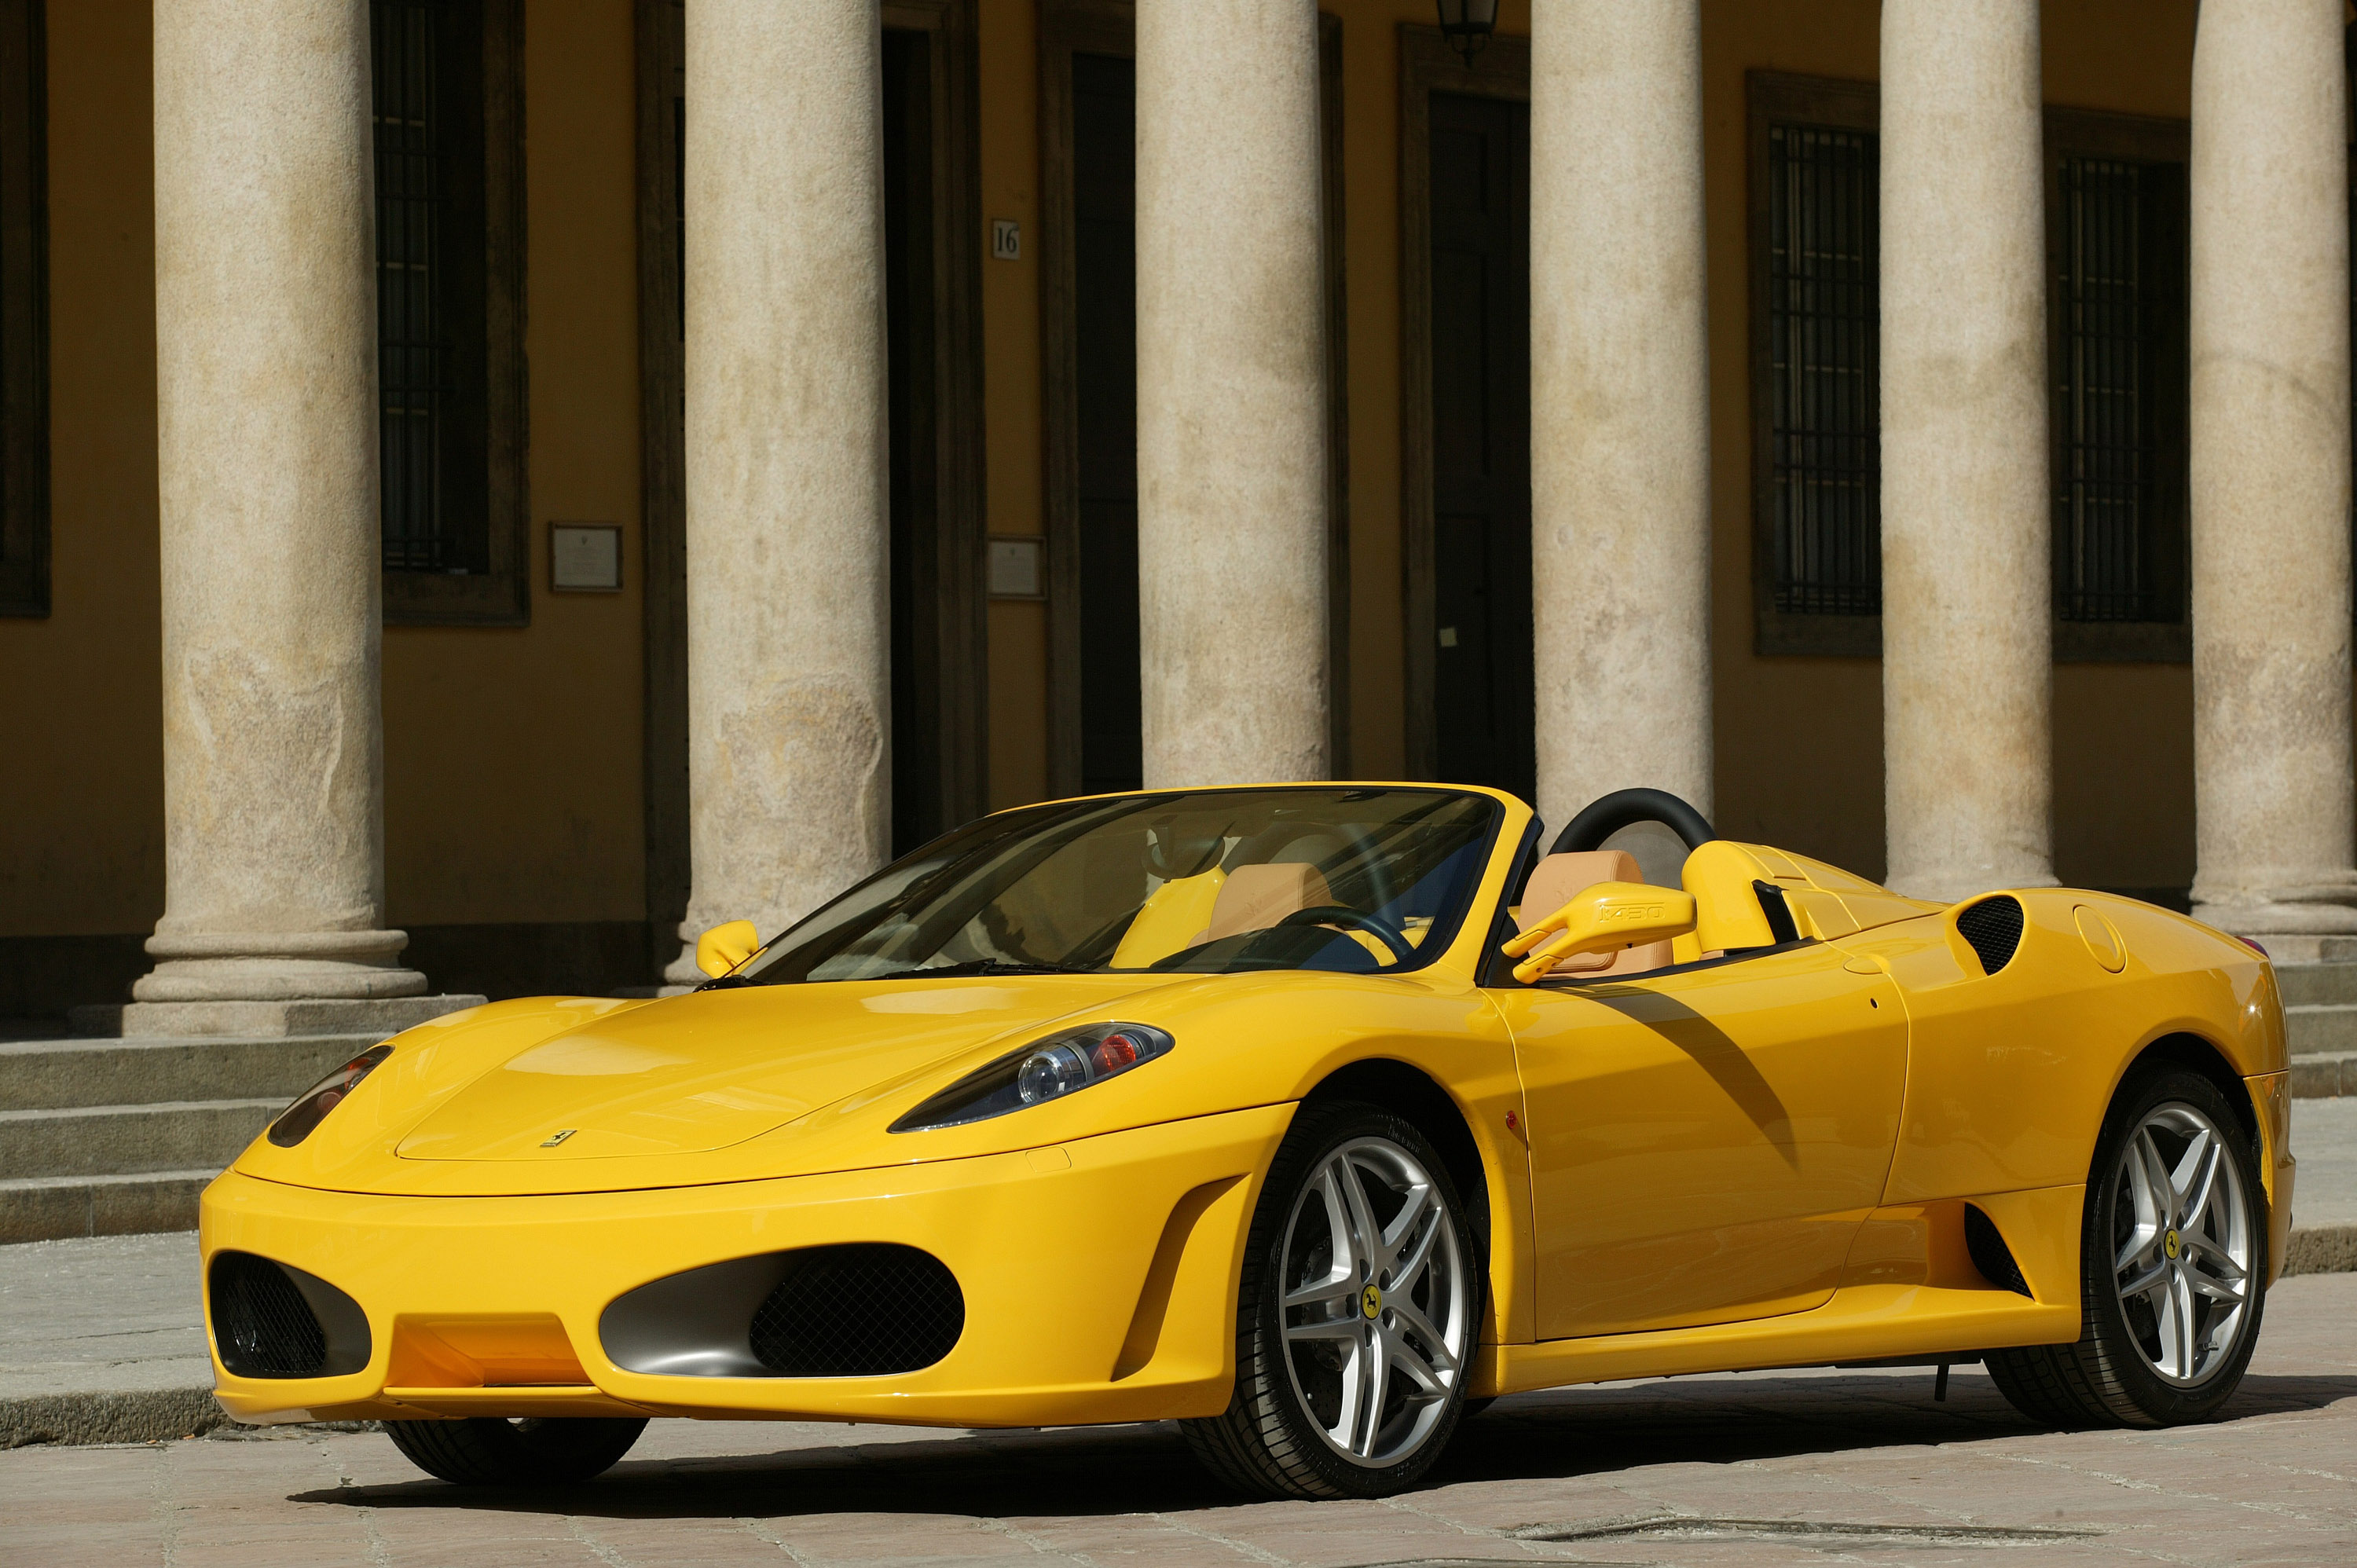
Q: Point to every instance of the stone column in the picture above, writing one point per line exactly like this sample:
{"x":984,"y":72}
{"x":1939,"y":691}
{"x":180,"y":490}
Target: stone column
{"x":1231,"y":393}
{"x":2270,"y":478}
{"x":265,"y":347}
{"x":1619,"y":402}
{"x":788,"y":599}
{"x":1967,"y":671}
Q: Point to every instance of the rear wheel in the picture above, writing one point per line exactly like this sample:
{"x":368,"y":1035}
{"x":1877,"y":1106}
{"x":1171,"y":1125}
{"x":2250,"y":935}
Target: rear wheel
{"x":532,"y":1451}
{"x":2172,"y":1268}
{"x":1355,"y":1327}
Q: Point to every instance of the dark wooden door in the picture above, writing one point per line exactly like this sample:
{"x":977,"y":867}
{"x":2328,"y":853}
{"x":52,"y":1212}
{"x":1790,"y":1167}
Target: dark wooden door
{"x":1482,"y":443}
{"x":918,"y":810}
{"x":1104,"y":242}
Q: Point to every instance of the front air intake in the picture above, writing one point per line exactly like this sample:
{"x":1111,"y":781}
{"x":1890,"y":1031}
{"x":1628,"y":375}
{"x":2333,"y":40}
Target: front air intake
{"x":850,"y":1310}
{"x":1994,"y":927}
{"x":858,"y":1311}
{"x":270,"y":1321}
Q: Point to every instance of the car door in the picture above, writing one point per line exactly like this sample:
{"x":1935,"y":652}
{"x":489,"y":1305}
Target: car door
{"x":1704,"y":1141}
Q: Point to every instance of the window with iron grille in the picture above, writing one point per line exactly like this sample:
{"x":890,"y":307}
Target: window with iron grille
{"x":24,"y":316}
{"x":1816,"y":446}
{"x":449,"y":364}
{"x":2119,"y":368}
{"x":1824,"y":462}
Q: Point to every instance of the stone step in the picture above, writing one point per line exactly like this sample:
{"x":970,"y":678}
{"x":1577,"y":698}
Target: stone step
{"x":2331,"y":1027}
{"x":57,"y":1074}
{"x":247,"y":1020}
{"x":2313,"y":985}
{"x":124,"y":1140}
{"x":46,"y":1208}
{"x":2321,"y":1075}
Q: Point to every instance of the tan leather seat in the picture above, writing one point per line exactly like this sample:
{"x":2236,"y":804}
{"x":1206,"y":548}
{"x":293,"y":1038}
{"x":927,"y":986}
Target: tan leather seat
{"x":1558,"y":878}
{"x":1255,"y":897}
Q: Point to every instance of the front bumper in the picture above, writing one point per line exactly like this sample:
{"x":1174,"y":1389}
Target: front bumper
{"x":1099,"y":1280}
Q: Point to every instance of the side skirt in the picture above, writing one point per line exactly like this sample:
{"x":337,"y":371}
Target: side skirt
{"x":1907,"y":1292}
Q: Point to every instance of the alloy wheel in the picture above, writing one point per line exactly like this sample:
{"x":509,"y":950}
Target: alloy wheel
{"x":1378,"y":1311}
{"x":2182,"y":1245}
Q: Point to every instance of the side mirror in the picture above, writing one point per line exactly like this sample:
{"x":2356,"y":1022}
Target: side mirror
{"x":723,"y":948}
{"x":1603,"y":918}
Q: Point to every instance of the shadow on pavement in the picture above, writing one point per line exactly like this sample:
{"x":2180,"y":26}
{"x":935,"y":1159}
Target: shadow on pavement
{"x":1556,"y":1434}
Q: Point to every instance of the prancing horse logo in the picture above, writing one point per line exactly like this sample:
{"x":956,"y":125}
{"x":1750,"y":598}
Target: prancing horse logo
{"x":1371,"y":1300}
{"x":561,"y":1136}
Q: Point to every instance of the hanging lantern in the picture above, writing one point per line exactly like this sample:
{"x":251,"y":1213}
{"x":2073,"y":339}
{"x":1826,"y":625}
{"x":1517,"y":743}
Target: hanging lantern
{"x":1468,"y":24}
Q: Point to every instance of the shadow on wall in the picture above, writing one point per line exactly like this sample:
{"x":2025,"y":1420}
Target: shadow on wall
{"x":40,"y":977}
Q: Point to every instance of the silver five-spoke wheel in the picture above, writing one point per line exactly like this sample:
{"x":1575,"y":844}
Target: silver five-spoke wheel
{"x":2172,"y":1263}
{"x":1359,"y":1311}
{"x":2182,"y":1249}
{"x":1377,"y":1309}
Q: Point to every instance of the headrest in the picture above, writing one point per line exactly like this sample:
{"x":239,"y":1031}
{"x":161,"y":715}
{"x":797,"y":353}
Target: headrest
{"x":1559,"y":877}
{"x":1255,"y":897}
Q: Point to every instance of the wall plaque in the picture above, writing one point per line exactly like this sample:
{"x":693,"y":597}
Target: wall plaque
{"x":585,"y":557}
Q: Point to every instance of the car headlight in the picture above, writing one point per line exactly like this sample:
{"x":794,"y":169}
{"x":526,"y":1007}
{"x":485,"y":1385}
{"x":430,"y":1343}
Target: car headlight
{"x":1045,"y":1069}
{"x":294,"y":1123}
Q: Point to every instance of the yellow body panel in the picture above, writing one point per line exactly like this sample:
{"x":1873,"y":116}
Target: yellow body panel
{"x":1757,"y":1159}
{"x":1703,"y":1145}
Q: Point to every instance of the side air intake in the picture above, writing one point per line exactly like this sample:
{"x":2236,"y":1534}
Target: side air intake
{"x":1989,"y":1254}
{"x":1994,"y":927}
{"x":272,"y":1321}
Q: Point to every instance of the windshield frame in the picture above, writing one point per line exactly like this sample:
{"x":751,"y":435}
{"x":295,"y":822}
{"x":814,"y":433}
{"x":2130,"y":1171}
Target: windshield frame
{"x":1449,"y":928}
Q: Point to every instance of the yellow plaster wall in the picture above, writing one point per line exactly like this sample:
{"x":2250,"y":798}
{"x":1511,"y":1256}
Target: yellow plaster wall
{"x":513,"y":780}
{"x":1799,"y":740}
{"x":512,"y":757}
{"x":1370,"y":220}
{"x":1014,"y":505}
{"x":81,"y":750}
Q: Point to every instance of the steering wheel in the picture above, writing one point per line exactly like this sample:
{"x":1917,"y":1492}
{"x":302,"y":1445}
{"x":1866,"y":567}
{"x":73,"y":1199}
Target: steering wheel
{"x":1607,"y":814}
{"x":1375,"y":925}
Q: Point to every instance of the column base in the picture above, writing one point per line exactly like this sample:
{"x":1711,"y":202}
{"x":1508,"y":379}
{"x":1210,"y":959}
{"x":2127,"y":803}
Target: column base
{"x":265,"y":1020}
{"x":276,"y":966}
{"x":2311,"y":923}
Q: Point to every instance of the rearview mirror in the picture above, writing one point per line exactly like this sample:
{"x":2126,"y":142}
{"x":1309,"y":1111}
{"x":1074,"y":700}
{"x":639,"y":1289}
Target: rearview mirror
{"x":723,"y":948}
{"x":1605,"y":918}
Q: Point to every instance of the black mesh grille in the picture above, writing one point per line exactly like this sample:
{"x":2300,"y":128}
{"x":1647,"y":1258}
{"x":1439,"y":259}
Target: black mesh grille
{"x":1994,"y":927}
{"x":262,"y":1324}
{"x":858,"y":1311}
{"x":1990,"y":1255}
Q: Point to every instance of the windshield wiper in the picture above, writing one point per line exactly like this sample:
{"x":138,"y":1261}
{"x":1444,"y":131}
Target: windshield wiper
{"x":983,"y":966}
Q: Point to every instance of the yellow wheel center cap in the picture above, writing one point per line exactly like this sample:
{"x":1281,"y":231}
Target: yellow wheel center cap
{"x":1370,"y":1299}
{"x":2171,"y":1244}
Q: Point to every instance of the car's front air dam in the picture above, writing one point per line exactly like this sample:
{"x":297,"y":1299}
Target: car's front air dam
{"x":1099,"y":1278}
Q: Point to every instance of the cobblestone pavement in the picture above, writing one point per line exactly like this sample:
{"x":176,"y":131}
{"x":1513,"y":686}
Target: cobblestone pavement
{"x":1766,"y":1468}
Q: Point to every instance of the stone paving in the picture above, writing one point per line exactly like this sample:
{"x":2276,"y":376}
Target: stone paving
{"x":1766,"y":1468}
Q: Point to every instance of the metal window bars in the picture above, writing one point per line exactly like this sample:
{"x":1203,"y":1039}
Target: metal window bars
{"x":1826,"y":459}
{"x":413,"y":354}
{"x":2114,"y":480}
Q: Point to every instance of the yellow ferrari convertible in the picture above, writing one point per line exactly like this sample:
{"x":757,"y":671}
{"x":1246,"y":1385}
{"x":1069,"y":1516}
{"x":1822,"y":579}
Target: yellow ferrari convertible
{"x":1313,"y":1117}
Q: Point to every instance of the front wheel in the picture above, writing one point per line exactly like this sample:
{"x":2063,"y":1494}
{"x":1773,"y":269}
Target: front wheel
{"x":2173,"y":1268}
{"x":1355,"y":1327}
{"x":487,"y":1451}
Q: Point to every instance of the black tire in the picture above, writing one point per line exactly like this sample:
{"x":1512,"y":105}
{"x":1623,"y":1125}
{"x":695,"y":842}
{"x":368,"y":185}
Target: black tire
{"x":482,"y":1451}
{"x":1267,"y":1441}
{"x":2108,"y":1376}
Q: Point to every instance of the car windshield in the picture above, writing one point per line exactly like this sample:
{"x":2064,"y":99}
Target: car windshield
{"x":1208,"y":882}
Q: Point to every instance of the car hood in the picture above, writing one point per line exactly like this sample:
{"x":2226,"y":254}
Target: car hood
{"x":577,"y":1094}
{"x":712,"y":1068}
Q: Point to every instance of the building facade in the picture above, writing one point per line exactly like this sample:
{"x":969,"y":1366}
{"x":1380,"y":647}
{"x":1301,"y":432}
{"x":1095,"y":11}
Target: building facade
{"x":491,"y":484}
